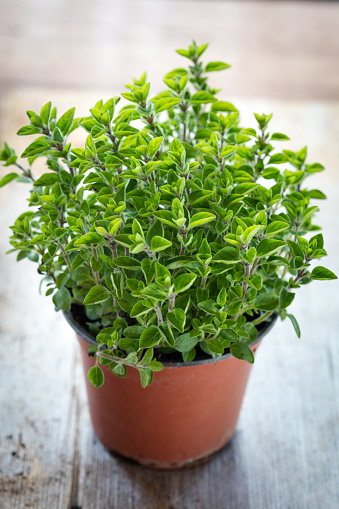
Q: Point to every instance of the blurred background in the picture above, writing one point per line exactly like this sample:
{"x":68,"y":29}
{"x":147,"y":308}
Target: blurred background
{"x":285,"y":59}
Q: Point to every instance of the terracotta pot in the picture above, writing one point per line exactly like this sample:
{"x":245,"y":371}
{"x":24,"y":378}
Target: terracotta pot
{"x":188,"y":413}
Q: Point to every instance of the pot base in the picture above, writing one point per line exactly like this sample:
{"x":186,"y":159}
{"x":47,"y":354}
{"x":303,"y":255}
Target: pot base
{"x":153,"y":465}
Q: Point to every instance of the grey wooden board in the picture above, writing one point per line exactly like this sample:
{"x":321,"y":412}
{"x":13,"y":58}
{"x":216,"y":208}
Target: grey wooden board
{"x":285,"y":453}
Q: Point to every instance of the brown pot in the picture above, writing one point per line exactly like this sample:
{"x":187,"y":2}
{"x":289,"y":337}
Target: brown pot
{"x":187,"y":414}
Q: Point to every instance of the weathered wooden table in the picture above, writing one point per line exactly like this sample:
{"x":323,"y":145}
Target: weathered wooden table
{"x":285,"y":453}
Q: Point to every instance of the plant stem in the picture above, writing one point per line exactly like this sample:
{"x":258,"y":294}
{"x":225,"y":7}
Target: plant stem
{"x":262,"y":318}
{"x":183,"y":247}
{"x":159,"y":314}
{"x":65,"y":255}
{"x":171,"y":302}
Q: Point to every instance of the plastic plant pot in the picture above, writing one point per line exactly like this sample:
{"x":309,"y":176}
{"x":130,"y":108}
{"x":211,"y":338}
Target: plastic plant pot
{"x":188,"y":413}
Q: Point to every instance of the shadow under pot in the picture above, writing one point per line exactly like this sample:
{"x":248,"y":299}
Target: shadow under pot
{"x":188,"y":413}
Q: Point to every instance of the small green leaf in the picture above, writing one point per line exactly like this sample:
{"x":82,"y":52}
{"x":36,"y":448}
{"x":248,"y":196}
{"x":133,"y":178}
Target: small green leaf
{"x":8,"y":178}
{"x":177,"y":318}
{"x":88,"y":239}
{"x":184,"y":282}
{"x":150,"y":337}
{"x":185,"y":343}
{"x":155,"y":365}
{"x":278,"y":159}
{"x":65,"y":121}
{"x":154,"y":146}
{"x":228,"y":255}
{"x":269,"y":246}
{"x":242,"y":351}
{"x":295,"y":324}
{"x":201,"y":218}
{"x":276,"y":227}
{"x":126,"y":262}
{"x":321,"y":273}
{"x":47,"y":179}
{"x":223,"y":106}
{"x":266,"y":302}
{"x":145,"y":377}
{"x":286,"y":298}
{"x":202,"y":97}
{"x":166,"y":104}
{"x":95,"y":295}
{"x":216,"y":66}
{"x":62,"y":299}
{"x":279,"y":137}
{"x":96,"y":376}
{"x":46,"y":112}
{"x":159,"y":244}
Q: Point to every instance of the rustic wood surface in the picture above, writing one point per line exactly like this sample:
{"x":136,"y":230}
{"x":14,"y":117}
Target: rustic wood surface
{"x":285,"y":453}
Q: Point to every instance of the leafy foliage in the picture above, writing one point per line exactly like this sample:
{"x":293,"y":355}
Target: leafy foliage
{"x":174,"y":226}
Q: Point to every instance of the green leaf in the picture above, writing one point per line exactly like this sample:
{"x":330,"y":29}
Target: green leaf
{"x":145,"y":377}
{"x":37,"y":147}
{"x":96,"y":376}
{"x":62,"y":299}
{"x":266,"y":302}
{"x":244,"y":188}
{"x":184,"y":282}
{"x":202,"y":97}
{"x":155,"y":365}
{"x":155,"y":230}
{"x":166,"y":104}
{"x":242,"y":351}
{"x":321,"y":273}
{"x":127,"y":262}
{"x":228,"y":151}
{"x":166,"y":217}
{"x":47,"y":179}
{"x":223,"y":106}
{"x":278,"y":159}
{"x":201,"y":218}
{"x":159,"y":244}
{"x":189,"y":356}
{"x":276,"y":227}
{"x":140,"y":308}
{"x":133,"y":331}
{"x":65,"y":121}
{"x":119,"y":370}
{"x":8,"y":178}
{"x":154,"y":146}
{"x":285,"y":298}
{"x":254,"y":281}
{"x":177,"y":318}
{"x":250,"y":232}
{"x":269,"y":246}
{"x":185,"y":343}
{"x":279,"y":137}
{"x":216,"y":66}
{"x":88,"y":239}
{"x":155,"y":291}
{"x":27,"y":130}
{"x":295,"y":324}
{"x":228,"y":255}
{"x":96,"y":294}
{"x":150,"y":337}
{"x":46,"y":112}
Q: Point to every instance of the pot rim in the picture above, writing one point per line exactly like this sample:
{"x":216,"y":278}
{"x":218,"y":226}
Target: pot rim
{"x":86,"y":336}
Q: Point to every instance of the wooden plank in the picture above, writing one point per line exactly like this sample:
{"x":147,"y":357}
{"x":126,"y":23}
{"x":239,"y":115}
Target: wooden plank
{"x":286,"y":449}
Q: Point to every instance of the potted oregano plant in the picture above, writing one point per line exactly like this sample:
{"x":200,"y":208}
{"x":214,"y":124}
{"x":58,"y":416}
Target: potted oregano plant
{"x":171,"y":240}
